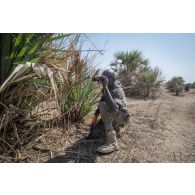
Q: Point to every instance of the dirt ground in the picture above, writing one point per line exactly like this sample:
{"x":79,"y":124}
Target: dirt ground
{"x":161,"y":130}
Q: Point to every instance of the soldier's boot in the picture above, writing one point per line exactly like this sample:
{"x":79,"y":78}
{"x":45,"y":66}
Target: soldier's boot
{"x":110,"y":145}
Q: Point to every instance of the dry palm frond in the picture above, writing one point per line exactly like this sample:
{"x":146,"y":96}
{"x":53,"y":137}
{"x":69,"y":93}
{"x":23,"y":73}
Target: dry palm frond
{"x":24,"y":72}
{"x":20,"y":94}
{"x":32,"y":89}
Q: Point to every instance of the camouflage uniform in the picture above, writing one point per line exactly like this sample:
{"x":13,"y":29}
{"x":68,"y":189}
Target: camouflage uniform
{"x":110,"y":120}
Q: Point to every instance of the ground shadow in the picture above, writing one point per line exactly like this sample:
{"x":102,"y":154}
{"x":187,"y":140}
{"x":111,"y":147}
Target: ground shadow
{"x":82,"y":151}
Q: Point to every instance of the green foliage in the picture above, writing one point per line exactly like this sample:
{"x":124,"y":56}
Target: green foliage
{"x":176,"y":85}
{"x":28,"y":90}
{"x":19,"y":48}
{"x":80,"y":100}
{"x":187,"y":87}
{"x":130,"y":61}
{"x":79,"y":94}
{"x":135,"y":74}
{"x":193,"y":85}
{"x":150,"y":81}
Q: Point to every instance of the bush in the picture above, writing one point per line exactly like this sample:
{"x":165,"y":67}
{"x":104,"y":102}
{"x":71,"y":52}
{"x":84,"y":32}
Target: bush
{"x":151,"y":82}
{"x":80,"y":100}
{"x":187,"y":87}
{"x":176,"y":85}
{"x":135,"y":74}
{"x":193,"y":85}
{"x":56,"y":81}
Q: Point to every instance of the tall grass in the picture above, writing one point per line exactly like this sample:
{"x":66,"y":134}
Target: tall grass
{"x":80,"y":100}
{"x":38,"y":68}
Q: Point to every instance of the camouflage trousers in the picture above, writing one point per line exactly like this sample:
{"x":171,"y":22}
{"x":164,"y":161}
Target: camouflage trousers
{"x":109,"y":121}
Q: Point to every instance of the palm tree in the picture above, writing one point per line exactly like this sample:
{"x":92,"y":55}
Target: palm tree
{"x":135,"y":74}
{"x":126,"y":62}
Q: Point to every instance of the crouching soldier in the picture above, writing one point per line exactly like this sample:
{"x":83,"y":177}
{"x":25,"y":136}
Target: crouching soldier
{"x":113,"y":111}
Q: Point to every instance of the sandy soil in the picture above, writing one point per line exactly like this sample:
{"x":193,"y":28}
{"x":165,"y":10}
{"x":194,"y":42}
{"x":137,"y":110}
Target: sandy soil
{"x":161,"y":130}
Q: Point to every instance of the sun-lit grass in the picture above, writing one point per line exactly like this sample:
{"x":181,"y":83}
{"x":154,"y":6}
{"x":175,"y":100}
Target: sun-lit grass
{"x":36,"y":68}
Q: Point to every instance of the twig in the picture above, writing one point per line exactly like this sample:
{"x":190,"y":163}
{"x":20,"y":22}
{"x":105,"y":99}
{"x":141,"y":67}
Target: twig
{"x":51,"y":154}
{"x":31,"y":143}
{"x":180,"y":155}
{"x":8,"y":145}
{"x":128,"y":154}
{"x":16,"y":134}
{"x":44,"y":149}
{"x":156,"y":115}
{"x":188,"y":157}
{"x":93,"y":44}
{"x":7,"y":158}
{"x":175,"y":159}
{"x":149,"y":105}
{"x":3,"y":105}
{"x":38,"y":156}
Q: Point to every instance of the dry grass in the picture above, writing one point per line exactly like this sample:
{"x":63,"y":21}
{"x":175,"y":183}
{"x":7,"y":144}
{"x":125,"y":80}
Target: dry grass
{"x":31,"y":100}
{"x":160,"y":131}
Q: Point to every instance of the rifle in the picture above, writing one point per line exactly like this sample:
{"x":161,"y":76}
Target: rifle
{"x":93,"y":122}
{"x":94,"y":119}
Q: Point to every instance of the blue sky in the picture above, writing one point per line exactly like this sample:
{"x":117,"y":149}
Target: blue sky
{"x":173,"y":53}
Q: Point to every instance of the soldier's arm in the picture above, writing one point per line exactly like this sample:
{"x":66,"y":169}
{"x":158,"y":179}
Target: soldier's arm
{"x":110,"y":101}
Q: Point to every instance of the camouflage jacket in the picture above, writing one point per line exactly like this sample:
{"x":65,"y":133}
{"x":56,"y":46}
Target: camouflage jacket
{"x":118,"y":95}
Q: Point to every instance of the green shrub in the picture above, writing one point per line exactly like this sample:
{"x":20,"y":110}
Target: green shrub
{"x":176,"y":85}
{"x":193,"y":85}
{"x":187,"y":87}
{"x":151,"y":82}
{"x":80,"y":100}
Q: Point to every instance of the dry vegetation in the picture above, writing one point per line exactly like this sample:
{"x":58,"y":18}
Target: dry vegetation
{"x":160,"y":130}
{"x":45,"y":107}
{"x":35,"y":97}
